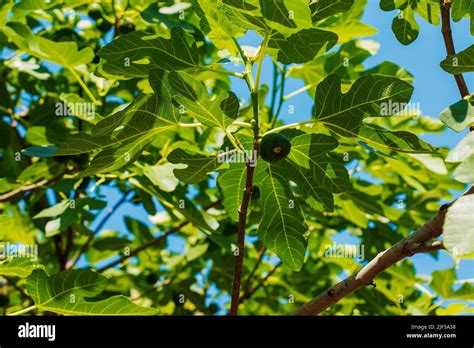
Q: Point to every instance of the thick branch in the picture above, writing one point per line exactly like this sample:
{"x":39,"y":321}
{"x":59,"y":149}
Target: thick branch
{"x":418,"y":242}
{"x":243,"y":210}
{"x":449,"y":43}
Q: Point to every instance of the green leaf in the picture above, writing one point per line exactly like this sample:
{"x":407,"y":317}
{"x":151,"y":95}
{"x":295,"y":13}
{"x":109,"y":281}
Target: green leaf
{"x":18,"y":267}
{"x":404,"y":25}
{"x":406,"y":28}
{"x":322,"y":9}
{"x":232,"y":183}
{"x":281,"y":228}
{"x":139,"y":230}
{"x":459,"y":116}
{"x":222,"y":22}
{"x":463,"y":150}
{"x":461,"y":9}
{"x":192,"y":94}
{"x":65,"y":54}
{"x":136,"y":53}
{"x":464,"y":153}
{"x":53,"y":211}
{"x":458,"y":231}
{"x":286,"y":16}
{"x":318,"y":198}
{"x":40,"y":151}
{"x":162,"y":175}
{"x":371,"y":95}
{"x":313,"y":40}
{"x":460,"y":63}
{"x":442,"y":282}
{"x":64,"y":293}
{"x":309,"y":152}
{"x":123,"y":135}
{"x":199,"y":166}
{"x":110,"y":243}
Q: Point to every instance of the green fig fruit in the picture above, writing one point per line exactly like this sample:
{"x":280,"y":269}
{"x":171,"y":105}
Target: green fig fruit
{"x":274,"y":147}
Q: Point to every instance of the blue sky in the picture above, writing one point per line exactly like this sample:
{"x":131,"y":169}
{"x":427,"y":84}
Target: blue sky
{"x":434,"y":90}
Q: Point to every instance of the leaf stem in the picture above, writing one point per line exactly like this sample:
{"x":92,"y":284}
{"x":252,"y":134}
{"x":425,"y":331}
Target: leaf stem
{"x":445,"y":7}
{"x":23,"y":311}
{"x":199,"y":125}
{"x":299,"y":91}
{"x":84,"y":86}
{"x":289,"y":126}
{"x":281,"y":101}
{"x":261,"y":56}
{"x":225,"y":72}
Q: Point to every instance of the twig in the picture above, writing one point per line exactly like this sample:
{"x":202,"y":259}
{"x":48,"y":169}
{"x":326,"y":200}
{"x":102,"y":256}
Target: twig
{"x":260,"y":284}
{"x":243,"y":210}
{"x":252,"y":273}
{"x":152,"y":242}
{"x":143,"y":247}
{"x":417,"y":242}
{"x":99,"y":227}
{"x":40,"y":184}
{"x":282,"y":97}
{"x":449,"y":43}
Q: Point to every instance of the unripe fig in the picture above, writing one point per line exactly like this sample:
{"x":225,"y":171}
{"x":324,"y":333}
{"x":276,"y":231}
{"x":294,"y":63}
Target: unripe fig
{"x":274,"y":147}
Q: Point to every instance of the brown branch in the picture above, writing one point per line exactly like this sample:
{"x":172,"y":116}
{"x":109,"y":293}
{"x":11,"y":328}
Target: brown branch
{"x":417,"y":242}
{"x":243,"y":210}
{"x":449,"y":43}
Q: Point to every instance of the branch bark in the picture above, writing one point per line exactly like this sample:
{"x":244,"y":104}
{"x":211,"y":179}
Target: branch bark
{"x":417,"y":242}
{"x":243,"y":210}
{"x":449,"y":43}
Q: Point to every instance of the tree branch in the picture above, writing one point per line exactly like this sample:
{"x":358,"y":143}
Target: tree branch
{"x":243,"y":210}
{"x":252,"y":273}
{"x":40,"y":184}
{"x":260,"y":284}
{"x":449,"y":43}
{"x":145,"y":246}
{"x":417,"y":242}
{"x":251,"y":163}
{"x":152,"y":242}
